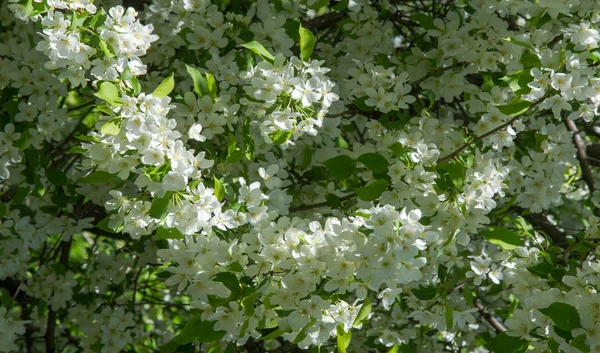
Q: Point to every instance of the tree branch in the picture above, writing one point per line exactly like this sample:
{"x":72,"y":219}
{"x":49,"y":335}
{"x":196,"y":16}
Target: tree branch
{"x":51,"y":326}
{"x":324,"y":21}
{"x":540,"y":222}
{"x":586,"y":170}
{"x":488,"y":317}
{"x":320,"y":204}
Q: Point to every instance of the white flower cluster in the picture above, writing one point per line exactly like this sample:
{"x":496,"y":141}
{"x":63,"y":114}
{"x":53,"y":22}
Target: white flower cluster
{"x":294,"y":96}
{"x":146,"y":142}
{"x":10,"y":330}
{"x":381,"y":88}
{"x":124,"y":39}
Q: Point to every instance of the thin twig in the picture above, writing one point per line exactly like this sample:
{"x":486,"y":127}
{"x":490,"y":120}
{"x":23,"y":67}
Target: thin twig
{"x":586,"y":170}
{"x":438,"y":72}
{"x":361,"y":136}
{"x":135,"y":284}
{"x":320,"y":204}
{"x":491,"y":132}
{"x":51,"y":326}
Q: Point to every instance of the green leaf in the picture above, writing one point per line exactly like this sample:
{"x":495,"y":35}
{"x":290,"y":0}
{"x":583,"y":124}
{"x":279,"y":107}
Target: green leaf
{"x":248,"y":303}
{"x":425,"y":21}
{"x":518,"y":42}
{"x":272,"y":335}
{"x":99,"y":176}
{"x":169,"y":347}
{"x":76,"y":150}
{"x":372,"y":191}
{"x":197,"y":330}
{"x":340,"y":167}
{"x":503,"y":237}
{"x":515,"y":109}
{"x":77,"y":19}
{"x":456,"y":172}
{"x":399,"y":149}
{"x":343,"y":339}
{"x":109,"y":93}
{"x":306,"y":157}
{"x":165,"y":87}
{"x":132,"y":80}
{"x":504,"y":343}
{"x":449,"y":321}
{"x":468,"y":294}
{"x":229,"y":280}
{"x":57,"y":177}
{"x":103,"y":225}
{"x":333,"y":200}
{"x":363,"y":313}
{"x":211,"y":84}
{"x":541,"y":270}
{"x":234,"y":153}
{"x":258,"y":48}
{"x":160,"y":205}
{"x":360,"y":104}
{"x":579,"y":343}
{"x":340,"y":6}
{"x":394,"y":349}
{"x":98,"y":19}
{"x":281,"y":136}
{"x":112,"y":127}
{"x":563,"y":315}
{"x":375,"y":162}
{"x":425,"y":293}
{"x":248,"y":139}
{"x":168,"y":233}
{"x":219,"y":189}
{"x":200,"y":84}
{"x":318,"y":4}
{"x":307,"y":43}
{"x":343,"y":144}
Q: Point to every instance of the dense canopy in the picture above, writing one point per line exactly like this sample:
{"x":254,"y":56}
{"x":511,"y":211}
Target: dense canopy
{"x":299,"y":176}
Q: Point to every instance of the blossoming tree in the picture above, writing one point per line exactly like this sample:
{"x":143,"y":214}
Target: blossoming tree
{"x":299,"y":176}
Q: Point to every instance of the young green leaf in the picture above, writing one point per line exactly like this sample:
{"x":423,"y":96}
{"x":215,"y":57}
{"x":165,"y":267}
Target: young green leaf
{"x":219,"y":189}
{"x":165,"y":87}
{"x":343,"y":339}
{"x":363,"y":313}
{"x":200,"y":84}
{"x":258,"y":48}
{"x":307,"y":43}
{"x":109,"y":93}
{"x":211,"y":85}
{"x":112,"y":127}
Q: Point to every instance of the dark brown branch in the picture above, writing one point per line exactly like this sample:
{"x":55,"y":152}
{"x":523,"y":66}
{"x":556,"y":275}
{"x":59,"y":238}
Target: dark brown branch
{"x":488,"y":317}
{"x":320,"y":204}
{"x":51,"y":326}
{"x":586,"y":170}
{"x":540,"y":222}
{"x":324,"y":21}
